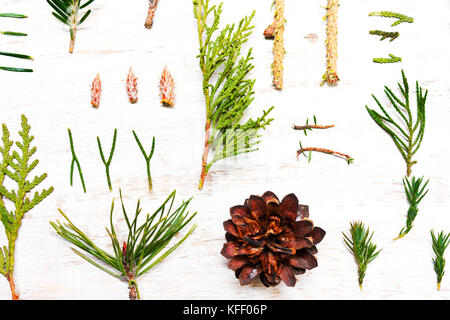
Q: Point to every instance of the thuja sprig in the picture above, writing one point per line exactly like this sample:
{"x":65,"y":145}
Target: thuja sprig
{"x":309,"y":127}
{"x":388,"y":14}
{"x":147,"y":158}
{"x":385,"y":34}
{"x":75,"y":162}
{"x":391,"y":59}
{"x":307,"y":153}
{"x":68,"y":12}
{"x":107,"y":163}
{"x":17,"y":165}
{"x":231,"y":93}
{"x":440,"y":244}
{"x":145,"y":245}
{"x":360,"y":244}
{"x":415,"y":191}
{"x":407,"y":132}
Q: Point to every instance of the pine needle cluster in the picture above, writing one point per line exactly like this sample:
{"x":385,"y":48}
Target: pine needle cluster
{"x":440,"y":244}
{"x":227,"y":91}
{"x":360,"y":244}
{"x":68,"y":12}
{"x":17,"y":165}
{"x":145,"y":244}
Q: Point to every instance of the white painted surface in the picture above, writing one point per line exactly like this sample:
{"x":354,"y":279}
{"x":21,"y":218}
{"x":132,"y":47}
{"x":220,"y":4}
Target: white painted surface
{"x":56,"y":96}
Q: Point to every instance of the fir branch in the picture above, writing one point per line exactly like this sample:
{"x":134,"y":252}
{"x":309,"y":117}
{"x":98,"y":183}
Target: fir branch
{"x":415,"y":192}
{"x":13,"y":15}
{"x":75,"y":161}
{"x":309,"y":127}
{"x":307,"y":153}
{"x":145,"y":245}
{"x":385,"y":34}
{"x":68,"y":12}
{"x":152,"y":5}
{"x":331,"y":77}
{"x":388,"y":14}
{"x":407,"y":133}
{"x":391,"y":59}
{"x":17,"y":165}
{"x":440,"y":244}
{"x":111,"y":153}
{"x":147,"y":158}
{"x":360,"y":244}
{"x":231,"y":94}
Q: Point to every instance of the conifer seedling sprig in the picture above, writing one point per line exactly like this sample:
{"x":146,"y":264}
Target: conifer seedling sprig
{"x":74,"y":162}
{"x":107,"y":163}
{"x":231,"y":93}
{"x":17,"y":166}
{"x":147,"y":158}
{"x":440,"y":244}
{"x":144,"y":247}
{"x":68,"y":12}
{"x":415,"y":191}
{"x":360,"y":244}
{"x":406,"y":132}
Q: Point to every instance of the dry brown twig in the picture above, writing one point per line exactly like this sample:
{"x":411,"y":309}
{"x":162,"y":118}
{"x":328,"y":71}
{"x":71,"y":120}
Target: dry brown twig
{"x":153,"y":4}
{"x":330,"y":77}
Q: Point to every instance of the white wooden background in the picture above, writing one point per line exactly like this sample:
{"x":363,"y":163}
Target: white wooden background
{"x":57,"y":96}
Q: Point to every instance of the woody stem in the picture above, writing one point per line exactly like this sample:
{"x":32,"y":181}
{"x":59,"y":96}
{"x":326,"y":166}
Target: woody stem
{"x":73,"y":33}
{"x":312,"y":126}
{"x":323,"y":150}
{"x":12,"y":285}
{"x":205,"y":155}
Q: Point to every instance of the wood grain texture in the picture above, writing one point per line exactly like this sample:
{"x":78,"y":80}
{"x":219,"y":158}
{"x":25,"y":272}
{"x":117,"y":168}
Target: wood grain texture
{"x":56,"y":96}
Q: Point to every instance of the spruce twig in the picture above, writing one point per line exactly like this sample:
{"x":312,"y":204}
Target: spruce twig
{"x":407,"y":133}
{"x":307,"y":153}
{"x":147,"y":158}
{"x":309,"y":127}
{"x":415,"y":191}
{"x":360,"y":244}
{"x":68,"y":12}
{"x":111,"y":153}
{"x":388,"y":14}
{"x":75,"y":161}
{"x":391,"y":59}
{"x":384,"y":34}
{"x":17,"y":165}
{"x":231,"y":94}
{"x":440,"y":244}
{"x":145,"y":245}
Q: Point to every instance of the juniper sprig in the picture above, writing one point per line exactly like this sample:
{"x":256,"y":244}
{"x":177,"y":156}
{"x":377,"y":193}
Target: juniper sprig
{"x":16,"y":165}
{"x":74,"y":162}
{"x":360,"y":244}
{"x":147,"y":158}
{"x":415,"y":191}
{"x":68,"y":12}
{"x":107,"y":163}
{"x":144,"y":247}
{"x":440,"y":244}
{"x":391,"y":59}
{"x":228,"y":97}
{"x":388,"y":14}
{"x":385,"y":34}
{"x":407,"y":132}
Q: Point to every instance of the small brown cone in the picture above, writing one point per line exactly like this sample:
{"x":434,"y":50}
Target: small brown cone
{"x":96,"y":91}
{"x":167,"y":88}
{"x":132,"y":88}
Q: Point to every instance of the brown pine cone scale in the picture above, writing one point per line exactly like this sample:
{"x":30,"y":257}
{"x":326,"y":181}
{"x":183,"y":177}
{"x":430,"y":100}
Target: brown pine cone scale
{"x":271,"y":240}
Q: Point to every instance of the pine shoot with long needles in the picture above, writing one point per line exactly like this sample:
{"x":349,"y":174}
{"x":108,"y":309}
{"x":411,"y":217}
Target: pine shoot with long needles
{"x":68,"y":12}
{"x":145,"y":244}
{"x":231,"y":94}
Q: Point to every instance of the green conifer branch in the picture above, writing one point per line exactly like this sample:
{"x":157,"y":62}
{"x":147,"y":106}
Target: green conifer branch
{"x":440,"y":244}
{"x":74,"y":162}
{"x":415,"y":192}
{"x":385,"y":34}
{"x":360,"y":244}
{"x":107,"y":163}
{"x":147,"y":158}
{"x":391,"y":59}
{"x":17,"y":165}
{"x":388,"y":14}
{"x":231,"y":94}
{"x":145,"y":245}
{"x":407,"y":132}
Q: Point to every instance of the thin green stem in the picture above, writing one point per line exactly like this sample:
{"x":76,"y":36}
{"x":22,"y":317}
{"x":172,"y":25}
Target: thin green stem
{"x":108,"y":163}
{"x":75,"y":161}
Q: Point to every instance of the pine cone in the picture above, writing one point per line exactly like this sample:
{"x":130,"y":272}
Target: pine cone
{"x":272,"y":240}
